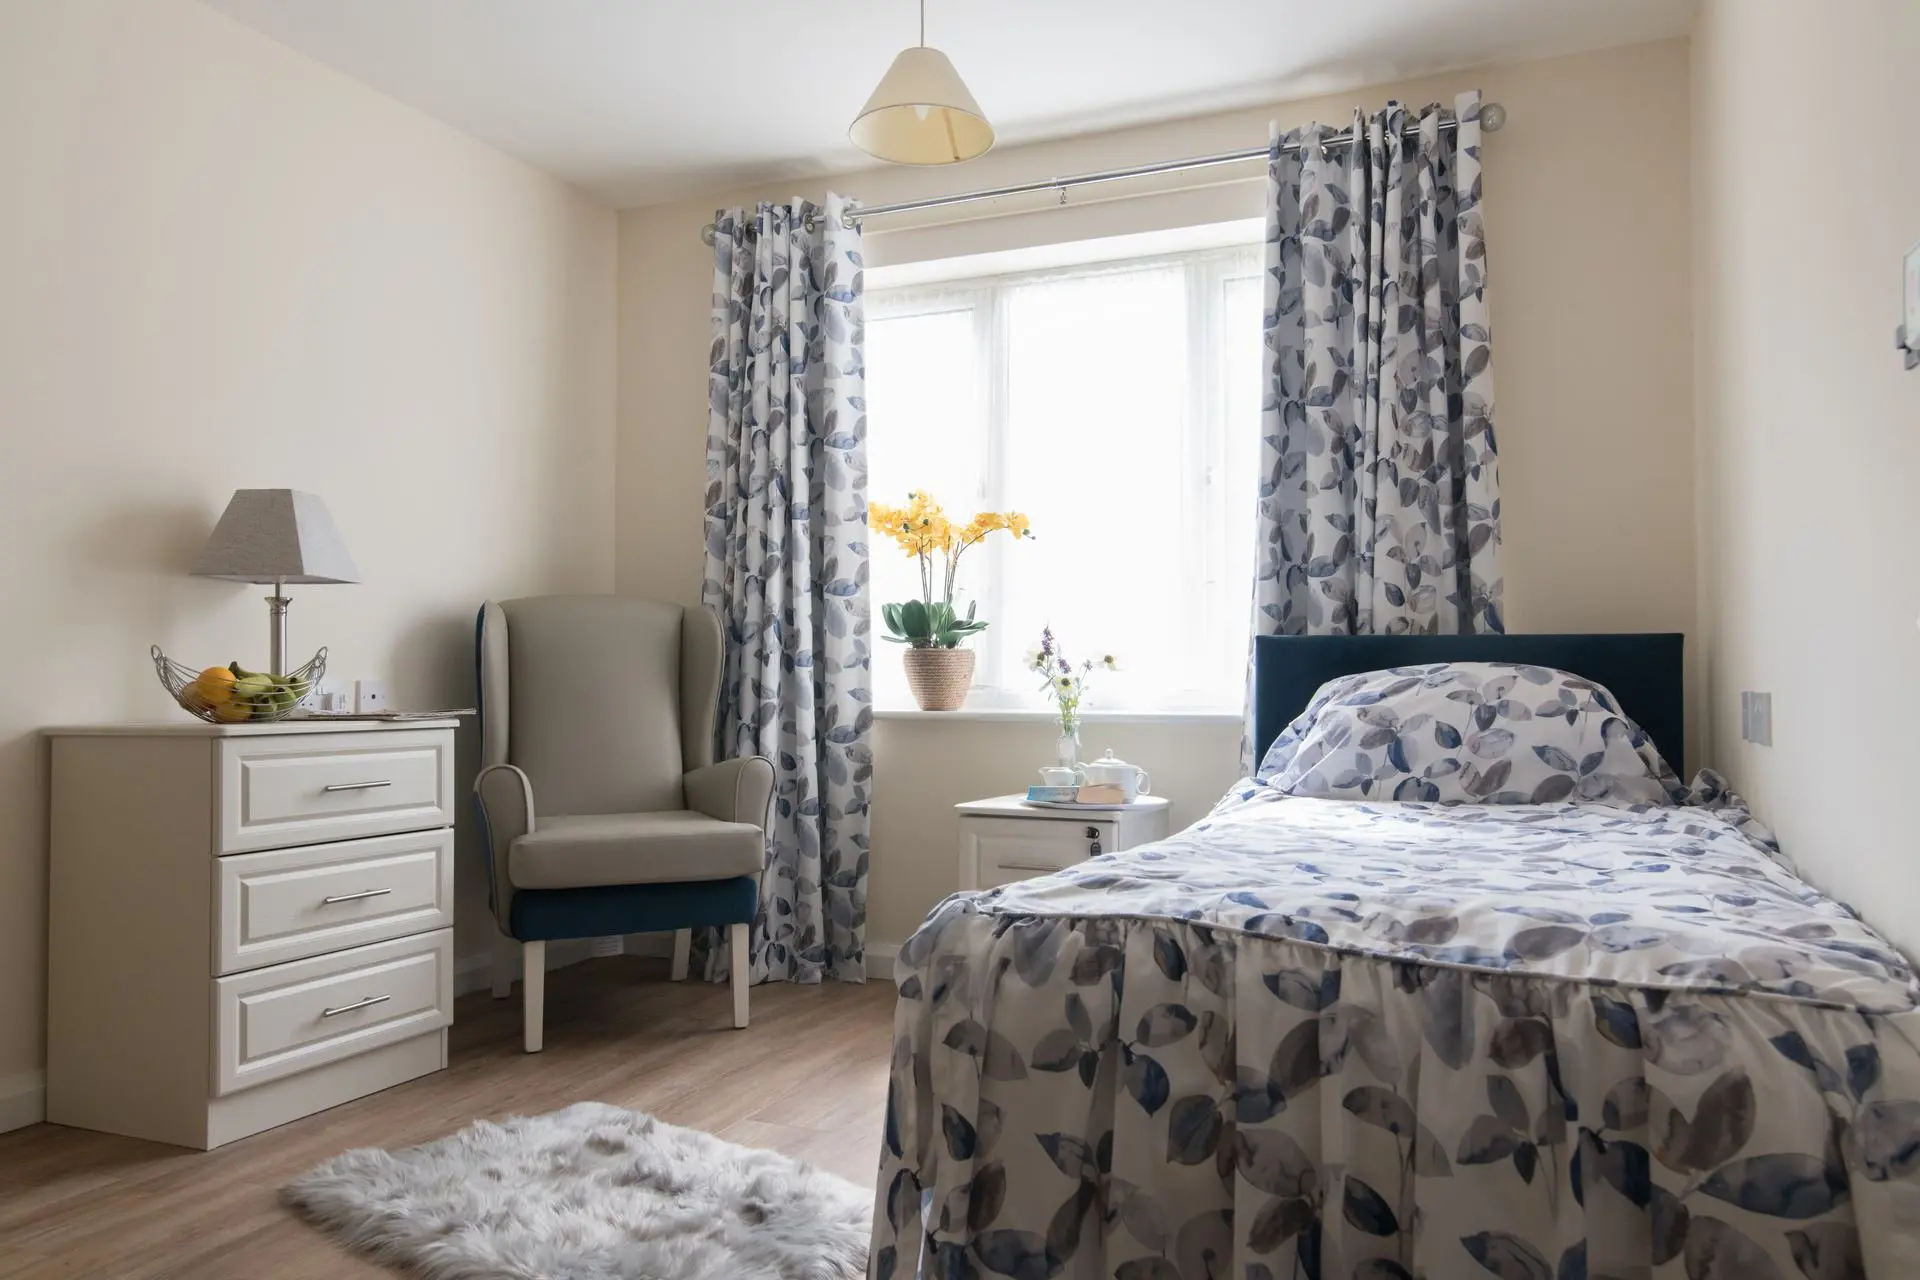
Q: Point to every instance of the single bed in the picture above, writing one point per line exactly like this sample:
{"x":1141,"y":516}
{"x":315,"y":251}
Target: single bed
{"x":1554,"y":1032}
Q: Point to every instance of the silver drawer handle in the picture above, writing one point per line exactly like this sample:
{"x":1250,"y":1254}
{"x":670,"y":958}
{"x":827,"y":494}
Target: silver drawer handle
{"x":354,"y":897}
{"x":1028,"y":866}
{"x":357,"y":1004}
{"x":357,"y":786}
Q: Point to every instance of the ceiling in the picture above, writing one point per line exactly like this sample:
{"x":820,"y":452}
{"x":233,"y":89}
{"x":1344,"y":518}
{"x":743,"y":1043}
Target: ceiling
{"x":649,"y":100}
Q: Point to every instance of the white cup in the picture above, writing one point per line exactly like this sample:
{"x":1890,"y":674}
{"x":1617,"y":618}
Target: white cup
{"x":1063,"y":775}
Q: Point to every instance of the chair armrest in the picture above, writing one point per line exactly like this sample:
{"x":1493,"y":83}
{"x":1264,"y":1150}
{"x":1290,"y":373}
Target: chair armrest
{"x":733,"y":790}
{"x":505,"y":795}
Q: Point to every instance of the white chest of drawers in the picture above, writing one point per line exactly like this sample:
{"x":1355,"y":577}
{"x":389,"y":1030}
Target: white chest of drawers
{"x":247,"y":923}
{"x":1005,"y":839}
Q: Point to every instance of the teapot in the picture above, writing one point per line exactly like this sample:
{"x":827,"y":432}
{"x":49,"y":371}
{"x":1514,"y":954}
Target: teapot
{"x":1132,"y":780}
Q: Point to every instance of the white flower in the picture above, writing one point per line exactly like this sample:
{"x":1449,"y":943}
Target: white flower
{"x":1110,"y":662}
{"x":1064,"y":684}
{"x":1036,"y":661}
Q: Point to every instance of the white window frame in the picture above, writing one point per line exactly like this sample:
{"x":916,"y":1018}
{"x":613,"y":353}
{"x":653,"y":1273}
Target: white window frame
{"x":1203,"y":511}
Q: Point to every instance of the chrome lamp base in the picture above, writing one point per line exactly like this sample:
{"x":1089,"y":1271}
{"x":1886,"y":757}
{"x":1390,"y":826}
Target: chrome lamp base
{"x":277,"y":634}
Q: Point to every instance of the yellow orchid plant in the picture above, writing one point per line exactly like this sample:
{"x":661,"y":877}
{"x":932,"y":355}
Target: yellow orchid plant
{"x":921,"y":528}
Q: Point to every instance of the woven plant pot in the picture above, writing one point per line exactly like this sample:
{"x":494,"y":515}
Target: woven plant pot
{"x":939,"y":678}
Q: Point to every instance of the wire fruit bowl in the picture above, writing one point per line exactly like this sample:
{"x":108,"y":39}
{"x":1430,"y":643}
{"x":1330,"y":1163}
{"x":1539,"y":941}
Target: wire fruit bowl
{"x":235,"y":695}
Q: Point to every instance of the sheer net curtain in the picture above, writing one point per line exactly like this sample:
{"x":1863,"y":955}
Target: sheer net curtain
{"x":786,"y":568}
{"x":1118,"y":405}
{"x":1380,"y":487}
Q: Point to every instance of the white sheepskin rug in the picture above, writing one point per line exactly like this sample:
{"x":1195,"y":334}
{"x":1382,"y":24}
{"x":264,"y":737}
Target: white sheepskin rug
{"x":590,"y":1193}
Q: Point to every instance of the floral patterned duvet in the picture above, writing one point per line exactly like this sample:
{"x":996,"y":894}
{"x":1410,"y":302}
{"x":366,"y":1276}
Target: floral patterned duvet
{"x":1370,"y":1041}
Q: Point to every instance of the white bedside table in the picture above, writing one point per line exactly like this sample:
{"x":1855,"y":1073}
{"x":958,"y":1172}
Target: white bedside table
{"x":1005,"y":839}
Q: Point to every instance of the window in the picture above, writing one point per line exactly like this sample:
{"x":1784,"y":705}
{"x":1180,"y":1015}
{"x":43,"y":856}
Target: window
{"x":1117,"y":403}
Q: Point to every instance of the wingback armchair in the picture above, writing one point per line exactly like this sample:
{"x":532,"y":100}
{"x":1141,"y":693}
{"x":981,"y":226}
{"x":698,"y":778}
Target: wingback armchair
{"x":603,"y":808}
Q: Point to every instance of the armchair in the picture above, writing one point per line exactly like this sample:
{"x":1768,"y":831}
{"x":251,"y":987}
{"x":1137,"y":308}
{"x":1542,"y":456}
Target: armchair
{"x":603,"y":810}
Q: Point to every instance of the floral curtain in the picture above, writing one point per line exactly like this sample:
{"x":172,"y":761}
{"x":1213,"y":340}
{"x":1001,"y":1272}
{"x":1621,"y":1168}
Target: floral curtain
{"x":786,"y":567}
{"x":1380,"y":495}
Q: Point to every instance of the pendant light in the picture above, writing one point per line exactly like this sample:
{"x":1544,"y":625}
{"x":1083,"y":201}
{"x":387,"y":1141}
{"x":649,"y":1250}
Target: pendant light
{"x":922,"y":112}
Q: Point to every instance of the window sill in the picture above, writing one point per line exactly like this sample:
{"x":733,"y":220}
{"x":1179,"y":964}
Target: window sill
{"x":1016,"y":715}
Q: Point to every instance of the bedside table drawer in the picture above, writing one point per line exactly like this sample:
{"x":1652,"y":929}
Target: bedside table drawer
{"x":281,"y":791}
{"x":288,"y":1018}
{"x":287,"y":904}
{"x":1004,"y":839}
{"x":1003,"y":850}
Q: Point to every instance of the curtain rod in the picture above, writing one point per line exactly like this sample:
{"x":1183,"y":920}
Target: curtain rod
{"x":1493,"y":117}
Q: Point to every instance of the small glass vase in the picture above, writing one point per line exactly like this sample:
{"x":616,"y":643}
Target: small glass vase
{"x":1067,"y":749}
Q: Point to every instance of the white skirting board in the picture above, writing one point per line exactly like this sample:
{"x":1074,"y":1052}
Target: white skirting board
{"x":880,"y":958}
{"x":475,"y":972}
{"x":23,"y":1100}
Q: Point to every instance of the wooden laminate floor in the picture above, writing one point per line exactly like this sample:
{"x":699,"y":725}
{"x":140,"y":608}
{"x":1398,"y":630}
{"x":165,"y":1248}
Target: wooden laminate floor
{"x":809,"y":1078}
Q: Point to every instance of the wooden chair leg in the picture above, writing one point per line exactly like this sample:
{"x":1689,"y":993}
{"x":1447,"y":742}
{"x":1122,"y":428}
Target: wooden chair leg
{"x":742,"y":973}
{"x":533,"y":960}
{"x":682,"y":953}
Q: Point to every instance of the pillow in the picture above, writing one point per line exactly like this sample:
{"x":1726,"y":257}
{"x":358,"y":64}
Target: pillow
{"x":1468,"y":733}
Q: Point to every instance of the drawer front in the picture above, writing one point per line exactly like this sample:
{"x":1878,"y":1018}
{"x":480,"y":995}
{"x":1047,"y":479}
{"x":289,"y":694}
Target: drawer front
{"x":997,"y":851}
{"x":287,"y":904}
{"x":305,"y":788}
{"x":289,"y":1018}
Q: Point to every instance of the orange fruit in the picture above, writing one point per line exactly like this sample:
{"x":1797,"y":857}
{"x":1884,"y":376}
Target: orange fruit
{"x":212,"y":687}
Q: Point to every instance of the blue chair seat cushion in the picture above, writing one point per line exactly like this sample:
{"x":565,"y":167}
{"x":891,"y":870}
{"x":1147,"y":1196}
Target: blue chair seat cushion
{"x":596,"y":850}
{"x":541,"y":915}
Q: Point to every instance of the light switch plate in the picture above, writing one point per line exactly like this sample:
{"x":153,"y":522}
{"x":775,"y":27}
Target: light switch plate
{"x":369,"y":696}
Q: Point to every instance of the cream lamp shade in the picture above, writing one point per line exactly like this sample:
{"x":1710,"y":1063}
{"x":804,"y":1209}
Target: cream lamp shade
{"x":277,"y":536}
{"x":922,"y":113}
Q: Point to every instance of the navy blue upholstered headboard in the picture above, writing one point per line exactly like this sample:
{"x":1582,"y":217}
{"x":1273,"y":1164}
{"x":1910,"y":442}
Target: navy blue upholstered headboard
{"x":1644,"y":671}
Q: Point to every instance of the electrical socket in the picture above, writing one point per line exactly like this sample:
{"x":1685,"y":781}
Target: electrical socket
{"x":369,"y":696}
{"x":329,"y":695}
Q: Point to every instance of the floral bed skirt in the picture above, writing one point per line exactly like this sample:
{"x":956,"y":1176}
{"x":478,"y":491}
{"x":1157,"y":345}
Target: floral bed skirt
{"x":1149,"y":1099}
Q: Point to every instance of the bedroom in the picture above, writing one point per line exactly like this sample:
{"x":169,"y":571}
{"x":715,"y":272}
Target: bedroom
{"x":253,"y":245}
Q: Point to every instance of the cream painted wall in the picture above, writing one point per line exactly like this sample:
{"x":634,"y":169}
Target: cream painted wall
{"x":1807,"y":197}
{"x":1588,"y":215}
{"x":223,"y":265}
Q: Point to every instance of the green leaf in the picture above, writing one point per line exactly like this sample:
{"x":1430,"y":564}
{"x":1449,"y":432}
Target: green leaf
{"x":915,"y":623}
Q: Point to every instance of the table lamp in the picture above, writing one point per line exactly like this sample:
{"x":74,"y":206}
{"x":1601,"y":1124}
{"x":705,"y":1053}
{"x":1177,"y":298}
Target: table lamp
{"x":276,"y":536}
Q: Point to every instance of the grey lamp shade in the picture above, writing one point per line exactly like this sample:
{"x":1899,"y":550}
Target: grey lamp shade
{"x":275,"y":535}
